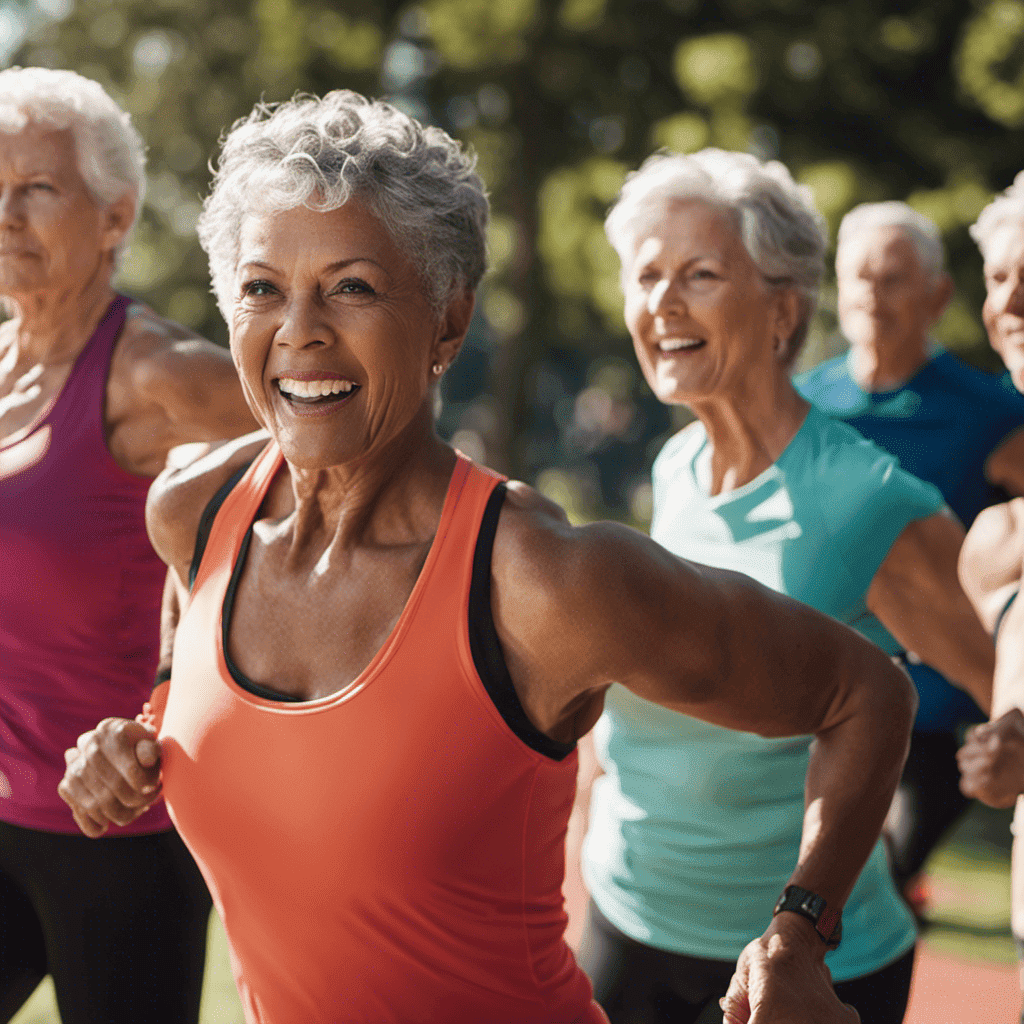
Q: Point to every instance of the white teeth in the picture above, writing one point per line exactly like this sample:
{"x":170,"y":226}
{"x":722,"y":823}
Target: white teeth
{"x":675,"y":344}
{"x":313,"y":388}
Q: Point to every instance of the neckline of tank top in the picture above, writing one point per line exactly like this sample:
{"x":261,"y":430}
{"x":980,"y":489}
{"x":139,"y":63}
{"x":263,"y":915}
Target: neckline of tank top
{"x":456,"y":485}
{"x":65,"y":389}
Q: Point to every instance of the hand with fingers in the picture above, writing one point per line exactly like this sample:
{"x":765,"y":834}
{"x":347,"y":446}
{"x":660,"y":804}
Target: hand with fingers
{"x":781,"y":978}
{"x":112,"y":775}
{"x":992,"y":760}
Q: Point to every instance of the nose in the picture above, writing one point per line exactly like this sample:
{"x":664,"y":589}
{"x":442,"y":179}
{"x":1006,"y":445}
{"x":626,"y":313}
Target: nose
{"x":304,"y":325}
{"x":12,"y":213}
{"x":1015,"y":299}
{"x":665,"y":297}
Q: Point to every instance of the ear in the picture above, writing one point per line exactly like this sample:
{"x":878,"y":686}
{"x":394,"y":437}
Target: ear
{"x":788,"y":309}
{"x":942,"y":293}
{"x":452,"y":328}
{"x":117,"y":218}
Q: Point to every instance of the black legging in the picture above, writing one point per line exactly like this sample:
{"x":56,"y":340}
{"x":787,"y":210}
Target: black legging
{"x":928,"y":803}
{"x":120,"y":924}
{"x":636,"y":984}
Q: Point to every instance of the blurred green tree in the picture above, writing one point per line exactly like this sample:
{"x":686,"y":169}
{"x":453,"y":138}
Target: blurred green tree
{"x":915,"y":99}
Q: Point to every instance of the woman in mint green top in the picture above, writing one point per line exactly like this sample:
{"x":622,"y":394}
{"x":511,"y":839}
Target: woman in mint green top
{"x":696,"y":830}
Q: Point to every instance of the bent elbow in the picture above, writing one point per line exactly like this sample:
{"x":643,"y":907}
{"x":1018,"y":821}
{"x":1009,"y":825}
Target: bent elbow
{"x":903,"y":701}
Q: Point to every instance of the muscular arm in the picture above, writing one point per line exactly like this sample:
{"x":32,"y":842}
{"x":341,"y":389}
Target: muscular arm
{"x":170,"y":613}
{"x":113,"y":774}
{"x":1005,"y":466}
{"x":992,"y":758}
{"x":917,"y":596}
{"x":579,"y":609}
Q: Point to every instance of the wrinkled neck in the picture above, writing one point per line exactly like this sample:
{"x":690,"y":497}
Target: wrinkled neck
{"x":747,"y":432}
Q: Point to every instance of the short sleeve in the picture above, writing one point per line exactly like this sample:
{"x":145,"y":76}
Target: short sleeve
{"x":867,"y":502}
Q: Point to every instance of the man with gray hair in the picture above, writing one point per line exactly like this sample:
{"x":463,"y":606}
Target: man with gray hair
{"x":947,"y":423}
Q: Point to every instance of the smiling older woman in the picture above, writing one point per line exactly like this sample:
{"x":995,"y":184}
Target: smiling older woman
{"x":992,"y":560}
{"x":695,"y":830}
{"x":95,"y":390}
{"x":388,"y":654}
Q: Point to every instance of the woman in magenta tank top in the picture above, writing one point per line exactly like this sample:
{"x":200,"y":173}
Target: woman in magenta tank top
{"x":388,"y":654}
{"x":94,"y":392}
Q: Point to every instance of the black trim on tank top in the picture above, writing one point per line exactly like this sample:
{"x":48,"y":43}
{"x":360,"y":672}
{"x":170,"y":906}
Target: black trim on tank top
{"x":488,"y":657}
{"x":485,"y":646}
{"x":207,"y":518}
{"x":225,"y":621}
{"x":1002,"y":615}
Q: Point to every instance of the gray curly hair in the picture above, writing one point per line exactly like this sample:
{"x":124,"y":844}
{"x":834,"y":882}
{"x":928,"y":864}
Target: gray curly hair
{"x":110,"y":153}
{"x":320,"y":153}
{"x":781,"y":229}
{"x":1006,"y":208}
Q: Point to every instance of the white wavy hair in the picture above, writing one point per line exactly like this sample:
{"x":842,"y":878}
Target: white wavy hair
{"x":778,"y":222}
{"x":1006,"y":208}
{"x":110,"y":153}
{"x":320,"y":153}
{"x":922,"y":232}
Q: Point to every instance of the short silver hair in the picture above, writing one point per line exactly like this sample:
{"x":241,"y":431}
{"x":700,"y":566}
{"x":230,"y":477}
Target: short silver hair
{"x":778,"y":222}
{"x":110,"y":153}
{"x":922,"y":232}
{"x":1006,"y":208}
{"x":320,"y":153}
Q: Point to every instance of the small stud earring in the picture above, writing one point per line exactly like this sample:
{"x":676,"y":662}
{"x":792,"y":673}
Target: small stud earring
{"x":437,"y":368}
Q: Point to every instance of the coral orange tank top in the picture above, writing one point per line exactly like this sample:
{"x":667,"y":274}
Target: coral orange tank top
{"x":393,"y":852}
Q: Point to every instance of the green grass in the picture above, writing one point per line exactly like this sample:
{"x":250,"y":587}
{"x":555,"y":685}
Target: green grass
{"x":969,"y":875}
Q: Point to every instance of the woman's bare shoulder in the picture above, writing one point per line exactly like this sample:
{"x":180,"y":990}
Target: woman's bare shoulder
{"x":545,"y":563}
{"x":193,"y":475}
{"x":992,"y":556}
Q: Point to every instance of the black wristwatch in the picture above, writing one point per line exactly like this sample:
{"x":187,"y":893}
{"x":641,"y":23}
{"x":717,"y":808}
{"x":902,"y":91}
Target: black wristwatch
{"x":827,"y":923}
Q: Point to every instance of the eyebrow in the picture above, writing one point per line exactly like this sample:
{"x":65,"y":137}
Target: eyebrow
{"x":338,"y":265}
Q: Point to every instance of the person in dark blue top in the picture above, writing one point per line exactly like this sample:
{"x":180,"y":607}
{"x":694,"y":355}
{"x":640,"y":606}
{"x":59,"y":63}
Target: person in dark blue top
{"x":947,"y":423}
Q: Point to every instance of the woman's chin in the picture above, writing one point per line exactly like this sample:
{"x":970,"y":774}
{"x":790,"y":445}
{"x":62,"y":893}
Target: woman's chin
{"x":312,"y":458}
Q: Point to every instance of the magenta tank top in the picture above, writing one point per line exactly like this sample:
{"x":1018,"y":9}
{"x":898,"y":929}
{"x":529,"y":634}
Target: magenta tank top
{"x":80,"y":590}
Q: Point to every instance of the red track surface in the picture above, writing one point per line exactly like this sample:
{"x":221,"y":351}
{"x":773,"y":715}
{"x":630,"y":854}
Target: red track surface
{"x":953,"y":991}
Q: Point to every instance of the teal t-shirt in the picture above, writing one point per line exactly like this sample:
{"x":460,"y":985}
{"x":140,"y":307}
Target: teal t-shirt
{"x":695,"y":829}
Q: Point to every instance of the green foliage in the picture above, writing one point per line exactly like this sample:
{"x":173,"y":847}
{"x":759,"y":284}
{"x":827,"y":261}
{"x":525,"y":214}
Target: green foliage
{"x":475,"y":34}
{"x":716,"y":69}
{"x":560,"y":98}
{"x":991,"y":61}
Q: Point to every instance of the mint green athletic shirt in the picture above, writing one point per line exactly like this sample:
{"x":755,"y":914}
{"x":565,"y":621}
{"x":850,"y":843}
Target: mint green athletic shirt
{"x":695,"y":829}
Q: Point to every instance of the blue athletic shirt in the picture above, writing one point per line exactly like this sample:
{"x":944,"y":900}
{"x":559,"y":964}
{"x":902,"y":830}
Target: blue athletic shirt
{"x":695,"y":829}
{"x":942,"y":425}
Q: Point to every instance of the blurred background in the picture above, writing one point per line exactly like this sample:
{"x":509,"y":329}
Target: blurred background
{"x":919,"y":100}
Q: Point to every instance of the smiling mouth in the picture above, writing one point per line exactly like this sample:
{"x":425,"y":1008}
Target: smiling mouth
{"x":676,"y":345}
{"x":316,"y":392}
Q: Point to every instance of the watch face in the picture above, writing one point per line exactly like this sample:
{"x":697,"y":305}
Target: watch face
{"x":807,"y":904}
{"x":812,"y":904}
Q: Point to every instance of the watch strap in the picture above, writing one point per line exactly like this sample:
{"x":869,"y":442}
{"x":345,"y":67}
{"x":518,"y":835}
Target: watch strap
{"x":827,"y":922}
